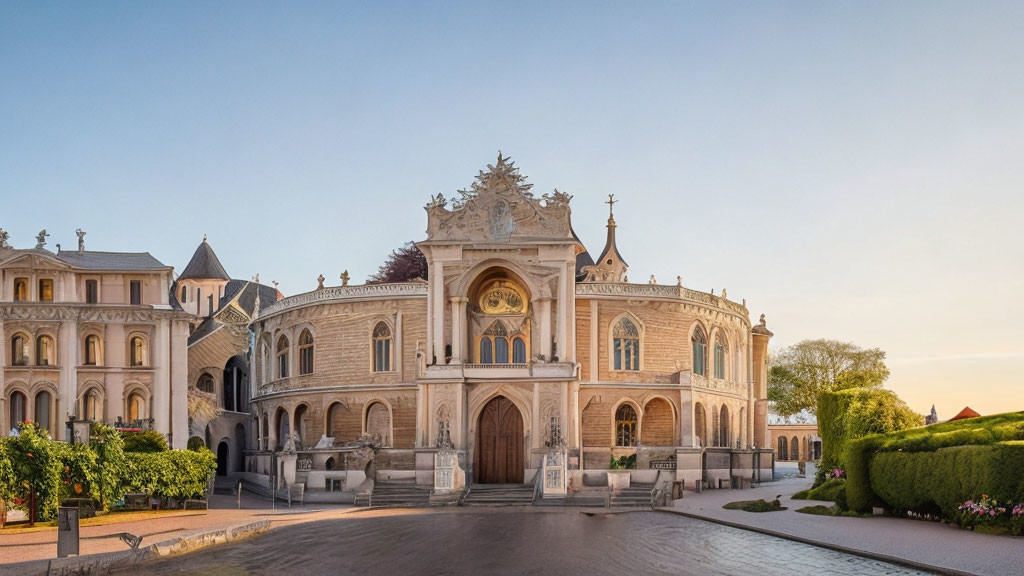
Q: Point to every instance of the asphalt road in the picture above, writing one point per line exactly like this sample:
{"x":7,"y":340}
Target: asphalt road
{"x":516,"y":541}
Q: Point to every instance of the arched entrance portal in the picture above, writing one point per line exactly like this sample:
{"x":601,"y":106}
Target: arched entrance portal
{"x":499,"y":444}
{"x":222,"y":459}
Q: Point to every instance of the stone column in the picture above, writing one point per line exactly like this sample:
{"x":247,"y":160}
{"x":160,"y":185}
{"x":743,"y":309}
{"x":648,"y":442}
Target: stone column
{"x":399,"y":348}
{"x":437,"y":317}
{"x":460,"y":351}
{"x":686,"y":419}
{"x":161,"y":404}
{"x":760,"y":337}
{"x":5,"y":428}
{"x":179,"y":384}
{"x":543,"y":307}
{"x":595,"y":370}
{"x":565,"y":352}
{"x":67,"y":359}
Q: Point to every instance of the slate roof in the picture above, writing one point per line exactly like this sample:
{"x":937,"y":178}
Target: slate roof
{"x":582,"y":259}
{"x":92,"y":260}
{"x":209,"y":326}
{"x":204,"y":265}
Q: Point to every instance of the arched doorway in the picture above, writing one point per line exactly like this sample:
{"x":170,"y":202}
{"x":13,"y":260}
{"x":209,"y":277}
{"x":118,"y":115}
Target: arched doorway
{"x":222,"y":459}
{"x":499,"y":444}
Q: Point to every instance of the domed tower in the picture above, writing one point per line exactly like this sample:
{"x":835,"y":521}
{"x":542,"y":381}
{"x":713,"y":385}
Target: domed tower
{"x":201,"y":284}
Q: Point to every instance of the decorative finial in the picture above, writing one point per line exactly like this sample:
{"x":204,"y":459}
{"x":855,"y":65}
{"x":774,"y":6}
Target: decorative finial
{"x":724,"y":293}
{"x":611,"y":206}
{"x":320,"y":282}
{"x":204,"y":238}
{"x":344,"y":278}
{"x":712,"y":291}
{"x":762,"y":320}
{"x":274,"y":282}
{"x":41,"y":239}
{"x":679,"y":281}
{"x":652,"y":280}
{"x":256,"y":278}
{"x":3,"y":238}
{"x":744,"y":302}
{"x":625,"y":279}
{"x":81,"y":240}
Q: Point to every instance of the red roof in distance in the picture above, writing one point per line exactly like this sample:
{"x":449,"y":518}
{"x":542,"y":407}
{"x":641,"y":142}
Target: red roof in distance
{"x":965,"y":413}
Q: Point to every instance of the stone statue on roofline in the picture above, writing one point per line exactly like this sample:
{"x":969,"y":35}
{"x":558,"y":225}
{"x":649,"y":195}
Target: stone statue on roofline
{"x":3,"y":238}
{"x":41,"y":239}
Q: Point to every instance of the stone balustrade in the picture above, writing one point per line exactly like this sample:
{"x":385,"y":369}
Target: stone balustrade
{"x":346,"y":293}
{"x":659,"y":292}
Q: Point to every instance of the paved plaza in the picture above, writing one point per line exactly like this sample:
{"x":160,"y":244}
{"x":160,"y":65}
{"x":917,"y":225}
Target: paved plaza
{"x":517,"y":541}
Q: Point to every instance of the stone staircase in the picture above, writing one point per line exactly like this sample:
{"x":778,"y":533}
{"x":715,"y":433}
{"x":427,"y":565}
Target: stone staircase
{"x":224,"y":485}
{"x":637,"y":495}
{"x":396,"y":495}
{"x":499,"y":495}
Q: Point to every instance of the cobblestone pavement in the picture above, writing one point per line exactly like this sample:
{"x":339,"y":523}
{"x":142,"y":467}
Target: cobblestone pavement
{"x":928,"y":543}
{"x":40,"y":544}
{"x":517,"y":541}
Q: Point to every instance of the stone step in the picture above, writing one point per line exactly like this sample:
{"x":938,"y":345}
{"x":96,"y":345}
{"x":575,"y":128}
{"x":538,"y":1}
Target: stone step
{"x":499,"y":495}
{"x":396,"y":494}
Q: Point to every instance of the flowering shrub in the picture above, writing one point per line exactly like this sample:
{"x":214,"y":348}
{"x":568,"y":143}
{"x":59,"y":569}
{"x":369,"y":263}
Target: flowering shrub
{"x":987,"y":512}
{"x":838,"y":473}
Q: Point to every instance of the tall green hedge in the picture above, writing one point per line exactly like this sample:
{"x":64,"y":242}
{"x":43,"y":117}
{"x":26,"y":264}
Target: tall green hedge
{"x":853,"y":413}
{"x":98,"y":470}
{"x":934,"y":469}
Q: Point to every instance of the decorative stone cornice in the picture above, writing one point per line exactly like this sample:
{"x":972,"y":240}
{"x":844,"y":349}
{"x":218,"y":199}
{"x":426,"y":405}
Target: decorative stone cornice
{"x":85,"y":313}
{"x":660,"y":292}
{"x":346,"y":294}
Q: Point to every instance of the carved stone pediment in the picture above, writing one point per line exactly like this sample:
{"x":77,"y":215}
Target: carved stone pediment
{"x":34,"y":261}
{"x":499,"y":207}
{"x":232,"y":315}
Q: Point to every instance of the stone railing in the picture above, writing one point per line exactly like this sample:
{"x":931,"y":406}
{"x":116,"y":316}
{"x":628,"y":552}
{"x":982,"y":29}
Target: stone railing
{"x":342,"y":293}
{"x":659,"y":291}
{"x":713,"y":384}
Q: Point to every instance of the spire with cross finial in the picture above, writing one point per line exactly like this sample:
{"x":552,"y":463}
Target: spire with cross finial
{"x":610,"y":266}
{"x":611,"y":209}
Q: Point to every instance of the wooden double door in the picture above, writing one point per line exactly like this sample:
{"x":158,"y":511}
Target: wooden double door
{"x":499,"y":444}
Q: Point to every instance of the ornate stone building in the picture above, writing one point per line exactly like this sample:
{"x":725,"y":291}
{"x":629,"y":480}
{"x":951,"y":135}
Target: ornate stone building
{"x":219,"y":348}
{"x":795,"y":437}
{"x":90,"y":335}
{"x":517,"y":342}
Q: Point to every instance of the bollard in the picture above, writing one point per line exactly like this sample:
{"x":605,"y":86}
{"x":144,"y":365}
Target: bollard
{"x":67,"y":531}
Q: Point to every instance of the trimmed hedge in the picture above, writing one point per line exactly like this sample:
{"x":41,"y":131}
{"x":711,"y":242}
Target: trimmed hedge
{"x":175,"y":473}
{"x":853,"y":413}
{"x":932,"y":470}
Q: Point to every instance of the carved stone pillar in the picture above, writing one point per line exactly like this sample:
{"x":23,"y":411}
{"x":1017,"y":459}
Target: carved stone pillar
{"x":459,"y":335}
{"x":543,"y":315}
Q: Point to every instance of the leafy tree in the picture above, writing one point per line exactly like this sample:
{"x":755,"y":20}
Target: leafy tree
{"x":403,"y":264}
{"x":800,"y":373}
{"x":34,"y":466}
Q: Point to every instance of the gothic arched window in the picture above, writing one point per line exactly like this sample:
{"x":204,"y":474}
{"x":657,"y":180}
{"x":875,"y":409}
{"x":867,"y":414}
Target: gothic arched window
{"x":721,"y":350}
{"x":625,"y":425}
{"x":381,"y":347}
{"x":19,"y":408}
{"x":306,"y":352}
{"x":45,"y":351}
{"x":626,"y":345}
{"x":19,"y":353}
{"x":137,"y":349}
{"x":700,"y":352}
{"x":282,"y":357}
{"x":205,"y":383}
{"x":494,"y":346}
{"x":43,"y":410}
{"x":783,"y":452}
{"x":93,"y":351}
{"x":700,"y":425}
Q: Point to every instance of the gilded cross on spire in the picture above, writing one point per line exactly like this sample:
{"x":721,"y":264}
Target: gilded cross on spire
{"x":611,"y":205}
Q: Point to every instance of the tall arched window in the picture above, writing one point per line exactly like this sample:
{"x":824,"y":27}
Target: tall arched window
{"x":92,"y":351}
{"x":19,"y":408}
{"x":282,"y":427}
{"x":700,"y":425}
{"x":783,"y":449}
{"x":723,"y":423}
{"x":518,"y":350}
{"x":625,"y":425}
{"x":20,"y":289}
{"x":136,"y":407}
{"x":137,"y":351}
{"x":19,"y":351}
{"x":715,"y":427}
{"x":45,"y":351}
{"x":381,"y":347}
{"x":721,"y":351}
{"x":205,"y":383}
{"x":43,"y":410}
{"x":626,"y":345}
{"x":794,"y":448}
{"x":700,"y":351}
{"x":92,"y":406}
{"x":282,"y":357}
{"x":184,"y":294}
{"x":305,"y":352}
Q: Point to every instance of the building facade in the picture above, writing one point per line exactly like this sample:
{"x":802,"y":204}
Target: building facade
{"x":91,"y":336}
{"x":518,"y":340}
{"x":795,"y":437}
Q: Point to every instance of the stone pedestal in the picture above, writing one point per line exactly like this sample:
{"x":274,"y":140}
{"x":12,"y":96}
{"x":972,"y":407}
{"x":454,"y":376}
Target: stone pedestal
{"x":289,"y":465}
{"x":618,"y":479}
{"x":554,"y":478}
{"x":448,"y":475}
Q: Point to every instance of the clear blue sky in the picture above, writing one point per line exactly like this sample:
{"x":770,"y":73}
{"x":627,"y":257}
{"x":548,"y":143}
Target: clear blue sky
{"x":854,"y":170}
